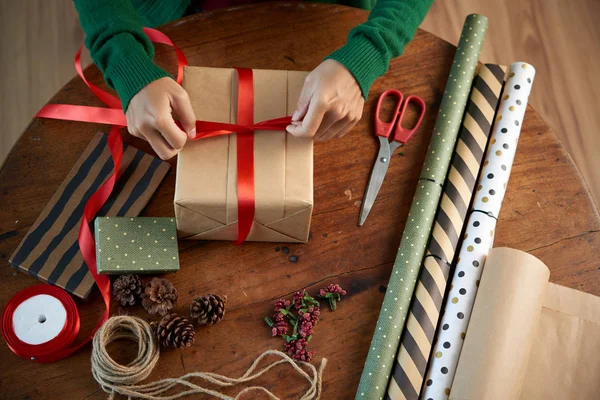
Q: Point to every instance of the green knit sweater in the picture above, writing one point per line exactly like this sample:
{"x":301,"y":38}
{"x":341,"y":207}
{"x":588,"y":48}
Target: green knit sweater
{"x":124,"y":53}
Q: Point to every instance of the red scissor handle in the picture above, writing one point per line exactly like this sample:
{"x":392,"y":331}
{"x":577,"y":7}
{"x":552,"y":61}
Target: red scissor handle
{"x":402,"y":134}
{"x":385,"y":128}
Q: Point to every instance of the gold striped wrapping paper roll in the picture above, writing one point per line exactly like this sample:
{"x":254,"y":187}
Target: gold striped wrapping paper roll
{"x":479,"y":233}
{"x":411,"y":362}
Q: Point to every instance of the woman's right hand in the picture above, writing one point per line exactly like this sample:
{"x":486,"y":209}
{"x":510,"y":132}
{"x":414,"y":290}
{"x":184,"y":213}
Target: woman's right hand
{"x":150,"y":116}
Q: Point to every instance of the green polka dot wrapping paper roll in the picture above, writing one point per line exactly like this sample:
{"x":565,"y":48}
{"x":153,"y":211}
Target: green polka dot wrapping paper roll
{"x":384,"y":345}
{"x":454,"y":101}
{"x":136,"y":245}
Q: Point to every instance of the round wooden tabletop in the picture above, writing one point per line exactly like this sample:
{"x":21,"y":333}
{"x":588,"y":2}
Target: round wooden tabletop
{"x":547,"y":210}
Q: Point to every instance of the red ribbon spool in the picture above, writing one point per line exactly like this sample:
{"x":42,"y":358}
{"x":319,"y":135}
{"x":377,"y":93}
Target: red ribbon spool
{"x":41,"y":352}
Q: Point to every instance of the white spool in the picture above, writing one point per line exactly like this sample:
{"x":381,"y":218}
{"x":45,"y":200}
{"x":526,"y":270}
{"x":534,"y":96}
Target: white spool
{"x":39,"y":319}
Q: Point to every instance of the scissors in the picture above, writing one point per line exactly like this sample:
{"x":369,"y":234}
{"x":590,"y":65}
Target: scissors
{"x":385,"y":131}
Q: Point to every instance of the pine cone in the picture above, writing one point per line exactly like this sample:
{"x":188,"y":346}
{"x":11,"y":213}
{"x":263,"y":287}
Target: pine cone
{"x":208,"y":309}
{"x":175,"y":331}
{"x":159,"y":296}
{"x":126,"y":288}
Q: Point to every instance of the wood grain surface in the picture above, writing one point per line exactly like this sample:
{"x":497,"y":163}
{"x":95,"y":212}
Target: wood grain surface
{"x":547,"y":211}
{"x":38,"y":39}
{"x":561,"y":40}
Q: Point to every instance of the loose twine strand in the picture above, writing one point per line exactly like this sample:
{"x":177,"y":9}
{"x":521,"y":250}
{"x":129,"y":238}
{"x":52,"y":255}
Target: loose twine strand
{"x":123,"y":379}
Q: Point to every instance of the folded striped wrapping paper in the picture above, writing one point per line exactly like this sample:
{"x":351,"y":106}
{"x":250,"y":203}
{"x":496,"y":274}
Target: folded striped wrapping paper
{"x":50,"y":251}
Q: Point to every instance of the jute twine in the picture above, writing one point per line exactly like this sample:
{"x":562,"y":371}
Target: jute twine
{"x":123,"y":379}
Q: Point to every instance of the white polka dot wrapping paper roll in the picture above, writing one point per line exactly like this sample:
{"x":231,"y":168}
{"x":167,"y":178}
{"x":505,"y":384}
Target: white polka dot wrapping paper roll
{"x":479,"y":233}
{"x":396,"y":302}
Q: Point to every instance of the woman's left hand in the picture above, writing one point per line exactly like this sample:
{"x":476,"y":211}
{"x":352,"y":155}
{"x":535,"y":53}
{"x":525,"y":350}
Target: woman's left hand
{"x":330,"y":103}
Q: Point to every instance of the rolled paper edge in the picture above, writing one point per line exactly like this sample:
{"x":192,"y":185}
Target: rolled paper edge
{"x":502,"y":332}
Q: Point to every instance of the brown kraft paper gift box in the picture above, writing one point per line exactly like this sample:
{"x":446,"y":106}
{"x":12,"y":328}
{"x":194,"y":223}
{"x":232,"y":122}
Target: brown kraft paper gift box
{"x":206,"y":185}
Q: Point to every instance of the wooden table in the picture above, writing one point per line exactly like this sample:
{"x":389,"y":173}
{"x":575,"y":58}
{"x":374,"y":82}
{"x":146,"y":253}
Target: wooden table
{"x":547,"y":210}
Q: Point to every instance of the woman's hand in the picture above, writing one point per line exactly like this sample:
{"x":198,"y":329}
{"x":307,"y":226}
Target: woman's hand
{"x":150,"y":117}
{"x":330,"y":104}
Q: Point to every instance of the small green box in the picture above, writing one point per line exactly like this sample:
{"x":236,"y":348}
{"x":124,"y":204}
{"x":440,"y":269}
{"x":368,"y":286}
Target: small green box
{"x":136,"y":245}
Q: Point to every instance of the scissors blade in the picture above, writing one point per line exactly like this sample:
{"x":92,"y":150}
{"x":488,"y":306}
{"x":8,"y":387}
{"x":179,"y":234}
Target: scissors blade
{"x":377,"y":174}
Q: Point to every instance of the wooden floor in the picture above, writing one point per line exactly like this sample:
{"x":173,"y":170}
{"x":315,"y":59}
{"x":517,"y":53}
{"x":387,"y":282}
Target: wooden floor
{"x":560,"y":38}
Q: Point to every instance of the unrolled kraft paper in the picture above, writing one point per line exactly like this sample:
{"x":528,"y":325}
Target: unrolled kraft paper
{"x":528,"y":339}
{"x":206,"y":182}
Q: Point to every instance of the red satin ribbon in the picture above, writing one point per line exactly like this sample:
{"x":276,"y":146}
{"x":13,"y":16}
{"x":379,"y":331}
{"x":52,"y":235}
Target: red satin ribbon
{"x":159,"y":37}
{"x":45,"y":352}
{"x":245,"y":154}
{"x":204,"y":129}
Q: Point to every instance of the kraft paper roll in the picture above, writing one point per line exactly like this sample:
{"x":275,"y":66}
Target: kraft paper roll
{"x":416,"y":340}
{"x":528,"y":339}
{"x":479,"y":233}
{"x":504,"y":319}
{"x":384,"y":345}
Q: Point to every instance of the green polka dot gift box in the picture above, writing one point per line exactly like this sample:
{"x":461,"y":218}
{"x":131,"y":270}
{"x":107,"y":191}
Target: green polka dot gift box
{"x":136,"y":245}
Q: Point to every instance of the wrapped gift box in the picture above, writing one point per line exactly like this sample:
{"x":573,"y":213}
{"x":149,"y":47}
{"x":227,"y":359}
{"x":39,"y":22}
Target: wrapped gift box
{"x":206,"y":187}
{"x":139,"y":245}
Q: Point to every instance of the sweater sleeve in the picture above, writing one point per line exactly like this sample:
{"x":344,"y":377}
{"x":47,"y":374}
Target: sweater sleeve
{"x":371,"y":45}
{"x":118,"y":45}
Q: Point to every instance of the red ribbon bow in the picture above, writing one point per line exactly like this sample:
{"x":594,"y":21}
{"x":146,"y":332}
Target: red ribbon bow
{"x":114,"y":116}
